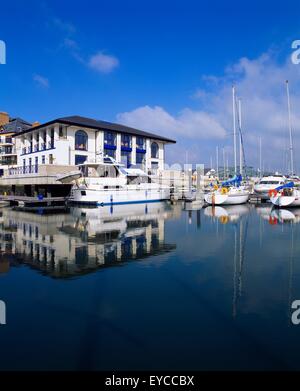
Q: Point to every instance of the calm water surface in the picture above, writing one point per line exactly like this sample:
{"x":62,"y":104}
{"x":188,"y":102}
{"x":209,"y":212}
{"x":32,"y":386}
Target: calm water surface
{"x":150,"y":287}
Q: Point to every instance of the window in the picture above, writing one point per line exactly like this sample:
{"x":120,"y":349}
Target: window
{"x":62,"y":131}
{"x":81,"y":140}
{"x":126,"y":140}
{"x":140,"y":142}
{"x":51,"y":143}
{"x":126,"y":158}
{"x":51,"y":158}
{"x":110,"y":138}
{"x":79,"y":159}
{"x":154,"y":150}
{"x":36,"y":160}
{"x":140,"y":158}
{"x":43,"y":159}
{"x":24,"y":162}
{"x":30,"y":161}
{"x":110,"y":152}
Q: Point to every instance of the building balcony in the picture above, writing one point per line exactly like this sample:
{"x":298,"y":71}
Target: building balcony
{"x":31,"y":169}
{"x":140,"y":150}
{"x":37,"y":148}
{"x":4,"y":142}
{"x":110,"y":146}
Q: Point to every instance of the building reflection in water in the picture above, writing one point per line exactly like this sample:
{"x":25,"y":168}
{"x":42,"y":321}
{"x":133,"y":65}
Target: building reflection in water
{"x":83,"y":240}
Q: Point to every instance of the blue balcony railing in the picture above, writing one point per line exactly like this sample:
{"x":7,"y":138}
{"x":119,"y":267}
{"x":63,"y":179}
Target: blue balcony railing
{"x":36,"y":148}
{"x":31,"y":169}
{"x":51,"y":144}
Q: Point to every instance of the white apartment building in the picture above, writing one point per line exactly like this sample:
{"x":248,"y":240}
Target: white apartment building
{"x":73,"y":140}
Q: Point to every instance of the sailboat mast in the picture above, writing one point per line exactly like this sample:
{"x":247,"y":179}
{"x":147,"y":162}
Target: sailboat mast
{"x":224,"y":163}
{"x":234,"y":127}
{"x":217,"y":160}
{"x":260,"y":168}
{"x":290,"y":127}
{"x":240,"y":133}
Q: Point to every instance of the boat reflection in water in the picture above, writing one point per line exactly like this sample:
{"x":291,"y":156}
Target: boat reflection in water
{"x":228,"y":213}
{"x":83,"y":240}
{"x":278,"y":216}
{"x":285,"y":215}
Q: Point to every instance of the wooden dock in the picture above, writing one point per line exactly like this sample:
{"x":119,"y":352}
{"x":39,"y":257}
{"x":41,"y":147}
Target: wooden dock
{"x":27,"y":202}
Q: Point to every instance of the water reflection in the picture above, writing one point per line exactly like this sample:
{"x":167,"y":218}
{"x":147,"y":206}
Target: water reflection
{"x":225,"y":283}
{"x":227,"y":214}
{"x":83,"y":240}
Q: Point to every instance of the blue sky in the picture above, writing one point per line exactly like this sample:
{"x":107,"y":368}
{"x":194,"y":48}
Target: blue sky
{"x":166,"y":66}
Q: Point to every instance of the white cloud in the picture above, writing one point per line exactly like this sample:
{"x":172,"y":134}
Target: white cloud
{"x":187,"y":123}
{"x":103,"y":63}
{"x":261,"y":85}
{"x":41,"y":81}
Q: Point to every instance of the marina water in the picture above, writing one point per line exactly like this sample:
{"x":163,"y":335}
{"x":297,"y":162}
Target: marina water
{"x":150,"y":286}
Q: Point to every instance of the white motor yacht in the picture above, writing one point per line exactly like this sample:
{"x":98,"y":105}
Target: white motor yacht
{"x":108,"y":182}
{"x":268,"y":183}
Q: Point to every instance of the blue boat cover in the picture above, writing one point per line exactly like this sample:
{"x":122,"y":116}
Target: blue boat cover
{"x":235,"y":181}
{"x":288,"y":185}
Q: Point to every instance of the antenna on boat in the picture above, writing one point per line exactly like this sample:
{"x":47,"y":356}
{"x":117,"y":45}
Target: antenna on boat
{"x":234,"y":126}
{"x":290,"y":127}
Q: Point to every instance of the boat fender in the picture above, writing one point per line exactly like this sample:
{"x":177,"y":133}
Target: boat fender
{"x":224,"y":190}
{"x":216,"y":187}
{"x":273,"y":193}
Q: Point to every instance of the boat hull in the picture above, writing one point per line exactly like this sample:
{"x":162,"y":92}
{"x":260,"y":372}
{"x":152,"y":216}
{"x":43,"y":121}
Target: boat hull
{"x":226,"y":199}
{"x":285,"y":201}
{"x":118,"y":197}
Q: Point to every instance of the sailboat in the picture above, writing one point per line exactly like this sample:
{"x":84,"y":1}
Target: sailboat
{"x":231,"y":191}
{"x":288,"y":194}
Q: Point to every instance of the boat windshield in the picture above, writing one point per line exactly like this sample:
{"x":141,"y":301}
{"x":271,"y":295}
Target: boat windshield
{"x":270,"y":182}
{"x":101,"y":171}
{"x":136,"y":180}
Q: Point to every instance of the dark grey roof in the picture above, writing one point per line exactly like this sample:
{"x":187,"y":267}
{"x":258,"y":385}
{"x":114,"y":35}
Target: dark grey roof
{"x":101,"y":125}
{"x":16,"y":125}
